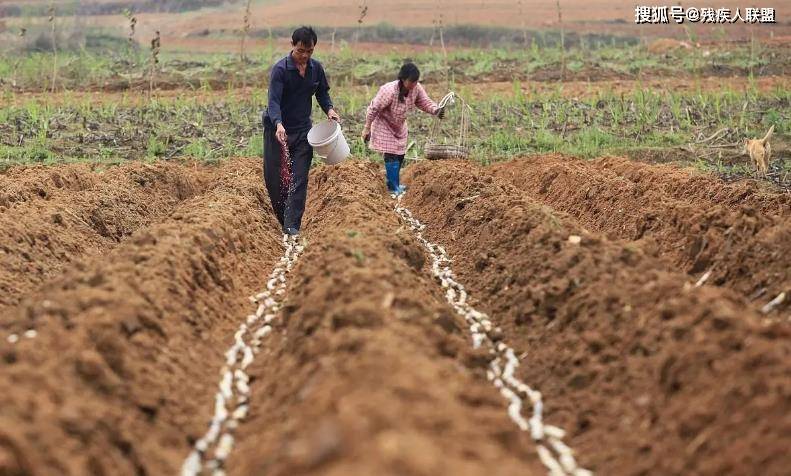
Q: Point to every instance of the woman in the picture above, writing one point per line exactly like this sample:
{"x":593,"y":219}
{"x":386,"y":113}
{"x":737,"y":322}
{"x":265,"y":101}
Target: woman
{"x":385,"y":123}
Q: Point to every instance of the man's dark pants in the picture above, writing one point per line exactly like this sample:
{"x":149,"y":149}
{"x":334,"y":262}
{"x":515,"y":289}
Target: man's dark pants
{"x":288,"y":199}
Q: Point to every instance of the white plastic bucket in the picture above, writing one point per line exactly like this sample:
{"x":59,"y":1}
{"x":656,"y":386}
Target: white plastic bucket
{"x":327,"y":140}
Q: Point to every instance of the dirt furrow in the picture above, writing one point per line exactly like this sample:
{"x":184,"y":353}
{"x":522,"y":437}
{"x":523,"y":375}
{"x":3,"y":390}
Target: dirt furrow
{"x":125,"y":364}
{"x":648,"y":374}
{"x":232,"y":400}
{"x":369,"y":371}
{"x":555,"y":455}
{"x":23,"y":184}
{"x":697,"y":223}
{"x":691,"y":185}
{"x":51,"y":217}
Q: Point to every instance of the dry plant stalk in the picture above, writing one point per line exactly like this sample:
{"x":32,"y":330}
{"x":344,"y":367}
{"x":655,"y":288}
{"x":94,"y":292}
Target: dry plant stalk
{"x":245,"y":30}
{"x":22,"y":33}
{"x":562,"y":42}
{"x":438,"y":25}
{"x":132,"y":24}
{"x":155,"y":46}
{"x":363,"y":12}
{"x":363,"y":9}
{"x":242,"y":53}
{"x":752,"y":50}
{"x":51,"y":20}
{"x":442,"y":37}
{"x":130,"y":40}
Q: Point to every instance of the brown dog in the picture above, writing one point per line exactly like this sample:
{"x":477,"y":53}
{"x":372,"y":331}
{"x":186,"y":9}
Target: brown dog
{"x":760,"y":151}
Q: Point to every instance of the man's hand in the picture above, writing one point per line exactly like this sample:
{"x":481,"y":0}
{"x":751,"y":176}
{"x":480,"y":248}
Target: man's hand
{"x":331,"y":114}
{"x":280,"y":133}
{"x":366,"y":135}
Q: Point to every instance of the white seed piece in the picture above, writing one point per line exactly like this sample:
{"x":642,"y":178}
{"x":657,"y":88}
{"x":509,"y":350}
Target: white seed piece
{"x":241,"y":412}
{"x":549,"y":461}
{"x":554,"y":432}
{"x":201,"y":445}
{"x":225,"y":385}
{"x":230,"y":356}
{"x":224,"y":447}
{"x":248,"y":357}
{"x":242,"y":387}
{"x":263,"y":332}
{"x":192,"y":465}
{"x":260,"y":311}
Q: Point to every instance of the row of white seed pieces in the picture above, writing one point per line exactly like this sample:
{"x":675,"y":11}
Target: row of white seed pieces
{"x":28,"y":334}
{"x":554,"y":454}
{"x":234,"y":391}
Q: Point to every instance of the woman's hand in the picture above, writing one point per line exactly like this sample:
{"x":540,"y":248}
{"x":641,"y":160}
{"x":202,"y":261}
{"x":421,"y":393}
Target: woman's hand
{"x":332,"y":115}
{"x":441,"y":113}
{"x":366,"y":135}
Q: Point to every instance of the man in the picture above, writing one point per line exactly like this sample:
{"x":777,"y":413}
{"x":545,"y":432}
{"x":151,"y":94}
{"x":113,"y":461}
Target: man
{"x":293,"y":82}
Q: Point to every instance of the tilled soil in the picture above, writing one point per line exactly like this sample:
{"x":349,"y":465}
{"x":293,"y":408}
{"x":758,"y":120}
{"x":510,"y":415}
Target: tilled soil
{"x":50,"y":217}
{"x":648,"y":374}
{"x":369,"y":370}
{"x":739,"y":233}
{"x":129,"y":342}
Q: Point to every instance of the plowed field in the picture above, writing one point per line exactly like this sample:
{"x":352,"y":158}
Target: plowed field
{"x":546,"y":315}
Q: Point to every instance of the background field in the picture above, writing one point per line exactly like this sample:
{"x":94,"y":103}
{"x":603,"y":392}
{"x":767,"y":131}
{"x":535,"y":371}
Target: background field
{"x":611,"y":87}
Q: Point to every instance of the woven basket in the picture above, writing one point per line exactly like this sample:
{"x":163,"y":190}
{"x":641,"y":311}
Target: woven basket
{"x":446,"y":151}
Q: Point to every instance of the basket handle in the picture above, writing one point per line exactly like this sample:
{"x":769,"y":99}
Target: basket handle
{"x":464,"y":120}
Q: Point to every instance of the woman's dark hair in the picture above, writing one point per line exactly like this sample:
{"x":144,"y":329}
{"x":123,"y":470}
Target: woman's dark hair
{"x":408,"y":71}
{"x":305,"y":35}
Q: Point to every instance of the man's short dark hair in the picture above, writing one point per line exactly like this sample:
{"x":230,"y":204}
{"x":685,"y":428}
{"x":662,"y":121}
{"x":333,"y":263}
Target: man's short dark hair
{"x":305,"y":35}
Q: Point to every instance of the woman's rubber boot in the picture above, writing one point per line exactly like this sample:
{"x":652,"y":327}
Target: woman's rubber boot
{"x":392,"y":170}
{"x":401,"y":188}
